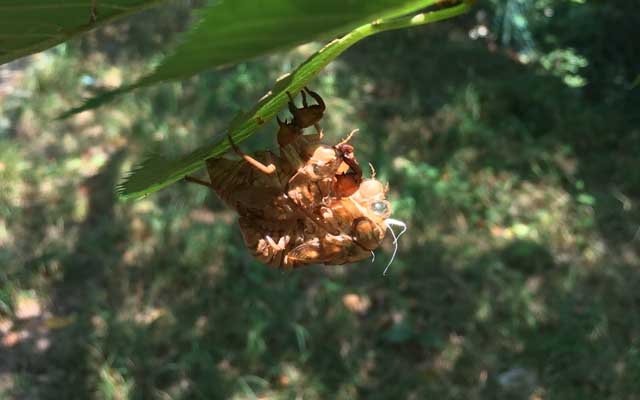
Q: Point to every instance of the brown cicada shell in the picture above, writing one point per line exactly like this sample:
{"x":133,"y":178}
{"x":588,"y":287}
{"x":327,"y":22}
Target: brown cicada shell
{"x":306,"y":205}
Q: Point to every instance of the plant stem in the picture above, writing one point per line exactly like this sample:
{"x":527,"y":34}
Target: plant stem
{"x":408,"y":21}
{"x":422,"y":18}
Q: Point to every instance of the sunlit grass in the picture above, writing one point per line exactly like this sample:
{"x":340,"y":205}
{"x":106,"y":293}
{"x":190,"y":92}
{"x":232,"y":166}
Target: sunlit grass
{"x":518,"y":273}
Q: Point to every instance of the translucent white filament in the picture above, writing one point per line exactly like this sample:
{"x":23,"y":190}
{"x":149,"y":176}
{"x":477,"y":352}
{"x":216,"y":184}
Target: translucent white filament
{"x":391,"y":222}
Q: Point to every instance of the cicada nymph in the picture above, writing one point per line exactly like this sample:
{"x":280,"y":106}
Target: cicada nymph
{"x":308,"y":204}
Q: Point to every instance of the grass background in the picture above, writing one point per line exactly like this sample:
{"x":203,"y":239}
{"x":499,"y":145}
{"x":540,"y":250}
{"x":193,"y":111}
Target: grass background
{"x":518,"y":277}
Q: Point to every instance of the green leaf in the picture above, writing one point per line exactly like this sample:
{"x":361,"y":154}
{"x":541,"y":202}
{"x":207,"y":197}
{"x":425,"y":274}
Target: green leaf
{"x":158,"y":172}
{"x":232,"y":31}
{"x":30,"y":26}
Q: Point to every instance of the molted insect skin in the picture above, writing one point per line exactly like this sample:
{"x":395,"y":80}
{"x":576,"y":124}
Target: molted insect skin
{"x":346,"y":184}
{"x":311,"y":205}
{"x":358,"y":228}
{"x":299,"y":176}
{"x":287,"y":132}
{"x":288,"y":222}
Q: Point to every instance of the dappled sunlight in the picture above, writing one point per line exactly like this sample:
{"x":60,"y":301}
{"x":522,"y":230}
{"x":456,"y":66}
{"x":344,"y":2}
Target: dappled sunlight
{"x":502,"y":205}
{"x":517,"y":276}
{"x":113,"y":385}
{"x":446,"y":360}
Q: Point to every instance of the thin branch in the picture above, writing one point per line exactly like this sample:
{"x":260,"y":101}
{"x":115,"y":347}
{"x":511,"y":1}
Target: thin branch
{"x":422,"y":18}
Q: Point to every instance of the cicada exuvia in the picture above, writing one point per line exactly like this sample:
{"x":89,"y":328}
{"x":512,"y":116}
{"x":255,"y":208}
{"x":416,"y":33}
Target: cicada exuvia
{"x":309,"y":204}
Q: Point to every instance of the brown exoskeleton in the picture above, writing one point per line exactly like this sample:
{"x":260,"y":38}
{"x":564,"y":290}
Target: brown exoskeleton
{"x":303,"y":117}
{"x":306,"y":205}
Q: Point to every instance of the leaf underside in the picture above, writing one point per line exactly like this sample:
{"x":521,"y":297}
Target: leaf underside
{"x":158,"y":172}
{"x":232,"y":31}
{"x":29,"y":26}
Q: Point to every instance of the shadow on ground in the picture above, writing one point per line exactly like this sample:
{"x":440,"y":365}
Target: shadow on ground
{"x":517,"y":277}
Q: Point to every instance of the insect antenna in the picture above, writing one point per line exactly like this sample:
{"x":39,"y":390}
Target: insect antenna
{"x":373,"y":171}
{"x":344,"y":141}
{"x":390,"y":222}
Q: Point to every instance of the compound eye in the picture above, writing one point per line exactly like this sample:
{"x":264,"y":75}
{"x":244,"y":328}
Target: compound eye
{"x":381,"y":208}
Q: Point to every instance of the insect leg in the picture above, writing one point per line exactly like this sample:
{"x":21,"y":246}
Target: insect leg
{"x":346,"y":151}
{"x":267,"y":169}
{"x":292,"y":106}
{"x":351,"y":161}
{"x":320,"y":105}
{"x":316,"y":97}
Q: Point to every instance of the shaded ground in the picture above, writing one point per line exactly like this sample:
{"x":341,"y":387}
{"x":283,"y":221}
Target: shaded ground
{"x":518,"y":277}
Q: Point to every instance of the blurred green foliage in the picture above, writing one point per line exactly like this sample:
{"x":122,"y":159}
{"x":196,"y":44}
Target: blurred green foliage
{"x":517,"y":278}
{"x":27,"y":27}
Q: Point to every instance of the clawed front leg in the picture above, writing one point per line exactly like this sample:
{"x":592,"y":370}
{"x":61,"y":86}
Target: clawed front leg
{"x":292,"y":106}
{"x":267,"y":169}
{"x":320,"y":106}
{"x":316,"y":97}
{"x":308,"y":115}
{"x":347,"y":183}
